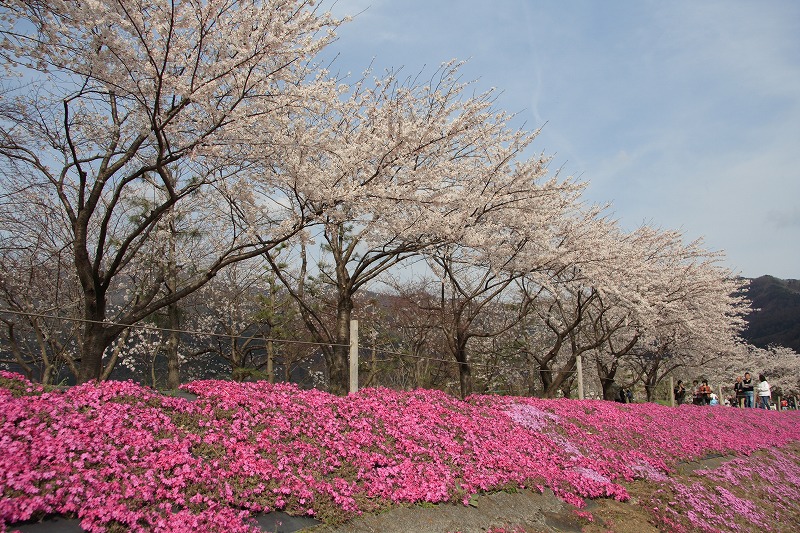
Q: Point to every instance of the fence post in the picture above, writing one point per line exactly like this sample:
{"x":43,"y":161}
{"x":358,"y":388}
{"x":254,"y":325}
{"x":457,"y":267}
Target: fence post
{"x":353,"y":356}
{"x":579,"y":368}
{"x":671,"y":391}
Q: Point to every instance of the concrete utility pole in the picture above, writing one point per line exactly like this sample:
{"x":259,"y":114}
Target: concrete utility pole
{"x":579,"y":369}
{"x":671,"y":391}
{"x":353,"y":356}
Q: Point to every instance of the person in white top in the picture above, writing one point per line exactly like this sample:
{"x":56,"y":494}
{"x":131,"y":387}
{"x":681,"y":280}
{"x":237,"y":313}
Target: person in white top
{"x":764,"y":392}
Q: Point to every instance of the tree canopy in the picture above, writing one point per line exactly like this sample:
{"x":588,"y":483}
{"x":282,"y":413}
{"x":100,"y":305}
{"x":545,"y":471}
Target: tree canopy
{"x":153,"y":153}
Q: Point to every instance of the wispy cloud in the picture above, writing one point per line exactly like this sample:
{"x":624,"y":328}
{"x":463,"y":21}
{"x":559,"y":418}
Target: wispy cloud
{"x":785,"y":219}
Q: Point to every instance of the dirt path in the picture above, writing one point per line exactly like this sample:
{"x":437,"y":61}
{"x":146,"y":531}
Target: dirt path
{"x":531,"y":510}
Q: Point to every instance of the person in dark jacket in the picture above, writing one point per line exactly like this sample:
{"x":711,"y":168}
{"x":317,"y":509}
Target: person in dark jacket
{"x":747,"y":388}
{"x":679,"y":392}
{"x":738,"y":389}
{"x":622,"y":397}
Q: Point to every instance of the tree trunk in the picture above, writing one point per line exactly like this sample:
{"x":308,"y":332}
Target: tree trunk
{"x":92,"y":349}
{"x":237,"y":361}
{"x":608,"y":388}
{"x":339,"y":378}
{"x":650,"y":383}
{"x":153,"y":380}
{"x":47,"y":374}
{"x":338,"y":364}
{"x":271,"y":362}
{"x":173,"y":358}
{"x":95,"y":337}
{"x":464,"y":378}
{"x":173,"y":313}
{"x":648,"y":391}
{"x":556,"y":380}
{"x":546,"y":373}
{"x":546,"y":378}
{"x":459,"y":349}
{"x":373,"y":366}
{"x":606,"y":375}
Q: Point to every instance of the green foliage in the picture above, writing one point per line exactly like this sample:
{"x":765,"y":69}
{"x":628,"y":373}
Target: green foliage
{"x":249,"y":374}
{"x":21,"y":388}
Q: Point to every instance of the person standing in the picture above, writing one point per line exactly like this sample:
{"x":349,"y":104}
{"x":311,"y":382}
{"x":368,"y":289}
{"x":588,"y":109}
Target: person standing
{"x":705,"y":393}
{"x":747,"y":388}
{"x":679,"y":392}
{"x":738,"y":389}
{"x":621,"y":396}
{"x":764,"y":392}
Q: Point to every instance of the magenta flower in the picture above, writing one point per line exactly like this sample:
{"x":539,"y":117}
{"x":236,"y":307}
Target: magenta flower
{"x":116,"y":453}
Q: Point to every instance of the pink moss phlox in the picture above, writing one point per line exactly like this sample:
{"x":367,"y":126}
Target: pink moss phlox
{"x":118,"y":453}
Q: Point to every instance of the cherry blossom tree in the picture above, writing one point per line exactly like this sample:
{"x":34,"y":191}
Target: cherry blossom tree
{"x":470,"y":308}
{"x":698,"y":313}
{"x":675,"y":306}
{"x":396,"y":167}
{"x":644,"y":302}
{"x":38,"y":292}
{"x":105,"y":101}
{"x":228,"y":311}
{"x":245,"y":318}
{"x":525,"y":239}
{"x":410,"y":336}
{"x":565,"y":313}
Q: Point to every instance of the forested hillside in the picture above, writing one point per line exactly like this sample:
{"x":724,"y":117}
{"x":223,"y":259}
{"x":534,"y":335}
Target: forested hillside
{"x":776,"y":319}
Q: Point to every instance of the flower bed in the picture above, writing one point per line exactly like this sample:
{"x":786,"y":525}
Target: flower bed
{"x":123,"y":457}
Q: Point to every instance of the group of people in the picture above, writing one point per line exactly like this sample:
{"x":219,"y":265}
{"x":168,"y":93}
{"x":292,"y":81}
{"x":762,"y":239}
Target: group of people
{"x":624,"y":395}
{"x":746,"y":391}
{"x":702,"y":394}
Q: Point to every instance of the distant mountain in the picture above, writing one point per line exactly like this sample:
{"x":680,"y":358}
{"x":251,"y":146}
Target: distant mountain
{"x":777,"y":319}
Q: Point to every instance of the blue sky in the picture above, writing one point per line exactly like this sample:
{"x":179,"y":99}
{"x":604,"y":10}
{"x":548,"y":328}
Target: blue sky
{"x":682,"y":114}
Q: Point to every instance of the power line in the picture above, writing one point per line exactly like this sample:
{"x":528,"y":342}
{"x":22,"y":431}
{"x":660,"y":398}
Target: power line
{"x":383,"y":350}
{"x":162,"y":329}
{"x":453,"y":361}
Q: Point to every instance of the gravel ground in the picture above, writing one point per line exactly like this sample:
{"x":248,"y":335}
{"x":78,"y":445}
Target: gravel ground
{"x":535,"y":512}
